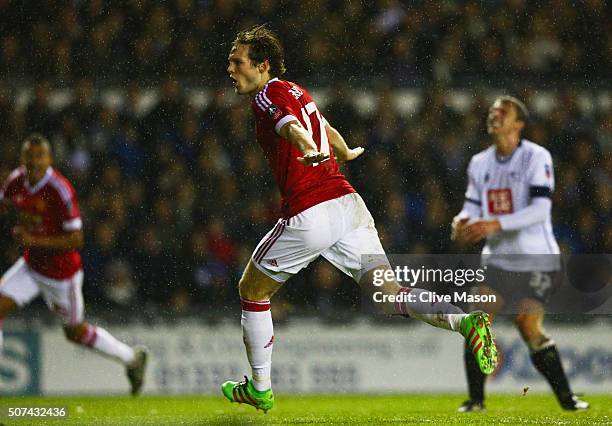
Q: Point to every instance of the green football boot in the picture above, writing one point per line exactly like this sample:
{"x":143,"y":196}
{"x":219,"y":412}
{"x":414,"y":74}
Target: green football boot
{"x":476,"y":328}
{"x":245,"y":392}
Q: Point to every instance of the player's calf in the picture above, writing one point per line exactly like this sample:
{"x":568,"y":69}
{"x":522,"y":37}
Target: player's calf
{"x":101,"y":340}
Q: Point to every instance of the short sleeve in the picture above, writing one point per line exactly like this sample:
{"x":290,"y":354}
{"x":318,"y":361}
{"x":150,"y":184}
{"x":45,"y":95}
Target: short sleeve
{"x":279,"y":104}
{"x":68,"y":206}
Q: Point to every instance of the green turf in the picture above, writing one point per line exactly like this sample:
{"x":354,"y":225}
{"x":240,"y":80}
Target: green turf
{"x":353,"y":409}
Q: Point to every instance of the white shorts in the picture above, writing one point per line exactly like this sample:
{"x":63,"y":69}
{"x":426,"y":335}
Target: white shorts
{"x":341,"y":230}
{"x":63,"y":297}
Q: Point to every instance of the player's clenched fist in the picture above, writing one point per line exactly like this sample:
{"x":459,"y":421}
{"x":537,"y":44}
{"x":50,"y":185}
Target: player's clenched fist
{"x":481,"y":229}
{"x":458,"y":228}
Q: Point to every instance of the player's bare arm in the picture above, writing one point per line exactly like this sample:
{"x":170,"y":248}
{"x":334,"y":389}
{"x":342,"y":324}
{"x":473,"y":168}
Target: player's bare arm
{"x":341,"y":150}
{"x":63,"y":242}
{"x":294,"y":132}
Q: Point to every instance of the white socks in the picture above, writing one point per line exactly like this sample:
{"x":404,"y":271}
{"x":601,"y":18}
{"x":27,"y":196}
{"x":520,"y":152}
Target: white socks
{"x":102,"y":341}
{"x":258,"y":337}
{"x":439,"y":314}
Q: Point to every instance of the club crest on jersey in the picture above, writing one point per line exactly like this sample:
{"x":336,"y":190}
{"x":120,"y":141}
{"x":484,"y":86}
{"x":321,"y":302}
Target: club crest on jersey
{"x":295,"y":92}
{"x":274,"y":112}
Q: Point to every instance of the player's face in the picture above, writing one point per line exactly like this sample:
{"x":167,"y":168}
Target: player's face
{"x":246,"y":77}
{"x":36,"y":158}
{"x":502,"y":119}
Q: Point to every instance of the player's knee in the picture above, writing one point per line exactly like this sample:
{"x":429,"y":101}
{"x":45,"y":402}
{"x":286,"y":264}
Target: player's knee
{"x":522,"y":321}
{"x":255,"y":285}
{"x":251,"y":291}
{"x":244,"y":287}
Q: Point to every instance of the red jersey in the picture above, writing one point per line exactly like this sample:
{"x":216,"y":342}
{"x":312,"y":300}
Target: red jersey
{"x":49,"y":208}
{"x":301,"y":186}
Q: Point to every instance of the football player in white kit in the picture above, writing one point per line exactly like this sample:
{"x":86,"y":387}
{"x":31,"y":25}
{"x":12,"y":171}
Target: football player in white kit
{"x":508,"y":203}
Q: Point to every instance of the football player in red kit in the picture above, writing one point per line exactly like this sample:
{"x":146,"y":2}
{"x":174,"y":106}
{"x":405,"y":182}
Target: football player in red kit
{"x":322,"y":214}
{"x":49,"y":230}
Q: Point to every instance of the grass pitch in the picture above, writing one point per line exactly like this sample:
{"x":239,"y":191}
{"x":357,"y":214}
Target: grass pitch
{"x":331,"y":409}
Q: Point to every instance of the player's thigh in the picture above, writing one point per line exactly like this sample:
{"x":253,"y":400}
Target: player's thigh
{"x":294,"y":242}
{"x":65,"y":297}
{"x":18,"y":285}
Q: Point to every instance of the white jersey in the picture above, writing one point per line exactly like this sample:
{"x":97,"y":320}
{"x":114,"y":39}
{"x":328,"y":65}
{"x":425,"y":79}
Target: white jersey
{"x":500,"y":187}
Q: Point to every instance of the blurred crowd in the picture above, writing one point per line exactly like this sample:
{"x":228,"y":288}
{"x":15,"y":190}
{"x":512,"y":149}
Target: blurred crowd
{"x":175,"y":198}
{"x":403,"y":42}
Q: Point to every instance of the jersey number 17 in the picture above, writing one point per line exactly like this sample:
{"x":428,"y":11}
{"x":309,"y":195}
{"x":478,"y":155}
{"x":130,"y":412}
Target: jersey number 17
{"x":308,"y":111}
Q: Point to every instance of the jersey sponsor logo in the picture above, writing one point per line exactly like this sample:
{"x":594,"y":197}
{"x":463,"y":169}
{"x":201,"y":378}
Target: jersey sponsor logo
{"x":272,"y":262}
{"x":295,"y":92}
{"x":500,"y":201}
{"x":274,"y":112}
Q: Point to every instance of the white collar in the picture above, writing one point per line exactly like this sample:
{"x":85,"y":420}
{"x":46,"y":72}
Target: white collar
{"x":34,"y":189}
{"x":266,"y":85}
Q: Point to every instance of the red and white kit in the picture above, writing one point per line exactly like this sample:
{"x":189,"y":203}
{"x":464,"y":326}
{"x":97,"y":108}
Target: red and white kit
{"x":49,"y":208}
{"x":322,"y":213}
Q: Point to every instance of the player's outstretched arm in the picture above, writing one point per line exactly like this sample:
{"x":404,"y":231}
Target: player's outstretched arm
{"x":294,"y":132}
{"x":341,"y":149}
